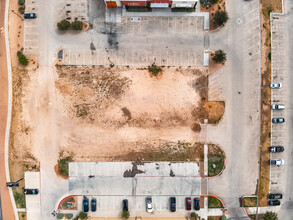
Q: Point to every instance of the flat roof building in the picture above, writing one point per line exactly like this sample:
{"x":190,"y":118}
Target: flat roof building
{"x":153,"y":3}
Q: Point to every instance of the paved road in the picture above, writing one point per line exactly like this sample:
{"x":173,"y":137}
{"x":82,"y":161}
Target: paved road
{"x":238,"y":132}
{"x":7,"y":209}
{"x":286,"y":211}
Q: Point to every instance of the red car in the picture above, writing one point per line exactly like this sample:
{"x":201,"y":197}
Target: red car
{"x":188,"y":203}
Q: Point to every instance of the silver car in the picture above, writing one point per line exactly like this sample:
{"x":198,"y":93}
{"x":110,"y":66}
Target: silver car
{"x":278,"y":107}
{"x":149,"y":204}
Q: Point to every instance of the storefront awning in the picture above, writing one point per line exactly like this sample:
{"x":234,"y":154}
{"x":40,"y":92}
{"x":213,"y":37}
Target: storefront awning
{"x":183,"y":5}
{"x":159,"y":5}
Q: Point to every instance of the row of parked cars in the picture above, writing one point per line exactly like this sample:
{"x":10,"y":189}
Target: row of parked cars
{"x":277,"y":149}
{"x":149,"y":204}
{"x":274,"y":197}
{"x":172,"y":204}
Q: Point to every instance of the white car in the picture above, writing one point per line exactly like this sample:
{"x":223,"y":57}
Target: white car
{"x":149,"y":204}
{"x":277,"y":162}
{"x":276,"y":85}
{"x":278,"y":107}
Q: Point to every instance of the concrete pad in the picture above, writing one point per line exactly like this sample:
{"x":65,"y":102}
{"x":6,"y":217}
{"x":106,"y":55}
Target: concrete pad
{"x":33,"y":202}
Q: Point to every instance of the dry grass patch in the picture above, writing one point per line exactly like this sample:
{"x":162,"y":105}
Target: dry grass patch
{"x":250,"y":201}
{"x":268,"y":6}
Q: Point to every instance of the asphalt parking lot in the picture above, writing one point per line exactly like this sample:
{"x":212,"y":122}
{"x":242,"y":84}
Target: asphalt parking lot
{"x":278,"y":131}
{"x":138,"y":41}
{"x":33,"y":202}
{"x":111,"y":182}
{"x":31,"y":42}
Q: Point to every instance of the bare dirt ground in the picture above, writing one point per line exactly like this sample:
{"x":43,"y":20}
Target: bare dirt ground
{"x":20,"y":155}
{"x":125,"y":113}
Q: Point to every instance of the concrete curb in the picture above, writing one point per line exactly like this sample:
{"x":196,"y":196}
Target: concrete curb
{"x":9,"y":112}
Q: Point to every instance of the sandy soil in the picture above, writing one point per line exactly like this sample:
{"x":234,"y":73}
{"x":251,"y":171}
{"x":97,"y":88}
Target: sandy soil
{"x":21,"y":157}
{"x":119,"y":111}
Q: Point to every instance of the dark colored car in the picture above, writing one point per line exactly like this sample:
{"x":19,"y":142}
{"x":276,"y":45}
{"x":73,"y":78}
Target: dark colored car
{"x":274,"y":203}
{"x":85,"y":204}
{"x":278,"y":120}
{"x":275,"y":196}
{"x":172,"y":204}
{"x":276,"y":149}
{"x":196,"y":204}
{"x":125,"y":205}
{"x":31,"y":191}
{"x":30,"y":15}
{"x":93,"y":205}
{"x":12,"y":184}
{"x":188,"y":203}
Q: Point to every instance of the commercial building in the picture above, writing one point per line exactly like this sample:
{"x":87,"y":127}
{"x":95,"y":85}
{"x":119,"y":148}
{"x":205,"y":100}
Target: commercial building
{"x":153,"y":3}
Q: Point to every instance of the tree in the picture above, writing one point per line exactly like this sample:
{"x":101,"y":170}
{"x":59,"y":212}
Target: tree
{"x":125,"y":214}
{"x":23,"y":60}
{"x":193,"y":216}
{"x":77,"y":25}
{"x":219,"y":56}
{"x":270,"y":216}
{"x":220,"y":18}
{"x":63,"y":25}
{"x":82,"y":215}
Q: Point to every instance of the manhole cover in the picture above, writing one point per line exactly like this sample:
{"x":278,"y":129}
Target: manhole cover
{"x":239,"y":20}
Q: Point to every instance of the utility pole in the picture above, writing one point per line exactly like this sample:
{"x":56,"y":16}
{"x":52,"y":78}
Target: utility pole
{"x":17,"y":14}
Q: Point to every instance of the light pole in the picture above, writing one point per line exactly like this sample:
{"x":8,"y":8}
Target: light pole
{"x":17,"y":14}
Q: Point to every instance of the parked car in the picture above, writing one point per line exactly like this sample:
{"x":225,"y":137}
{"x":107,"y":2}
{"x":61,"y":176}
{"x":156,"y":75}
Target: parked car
{"x":278,"y":107}
{"x":149,"y":204}
{"x":277,"y":162}
{"x":93,"y":205}
{"x":172,"y":204}
{"x":125,"y":205}
{"x":30,"y":191}
{"x":85,"y":204}
{"x":274,"y":202}
{"x":275,"y":196}
{"x":12,"y":184}
{"x":30,"y":15}
{"x":278,"y":120}
{"x":276,"y":85}
{"x":188,"y":203}
{"x":276,"y":149}
{"x":196,"y":204}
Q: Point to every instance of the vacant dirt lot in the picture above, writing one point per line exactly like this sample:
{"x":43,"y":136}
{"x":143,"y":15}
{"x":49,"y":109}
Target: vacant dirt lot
{"x":122,"y":112}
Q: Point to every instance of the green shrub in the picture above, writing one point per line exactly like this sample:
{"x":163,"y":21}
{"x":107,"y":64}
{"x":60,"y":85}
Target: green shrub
{"x":63,"y":165}
{"x":19,"y":199}
{"x":193,"y":215}
{"x":63,"y":25}
{"x":77,"y":25}
{"x":59,"y":216}
{"x":19,"y":53}
{"x":21,"y":10}
{"x":125,"y":214}
{"x":21,"y":2}
{"x":220,"y":18}
{"x":270,"y":216}
{"x":82,"y":215}
{"x":270,"y":55}
{"x":69,"y":216}
{"x":23,"y":60}
{"x":153,"y":69}
{"x":219,"y":57}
